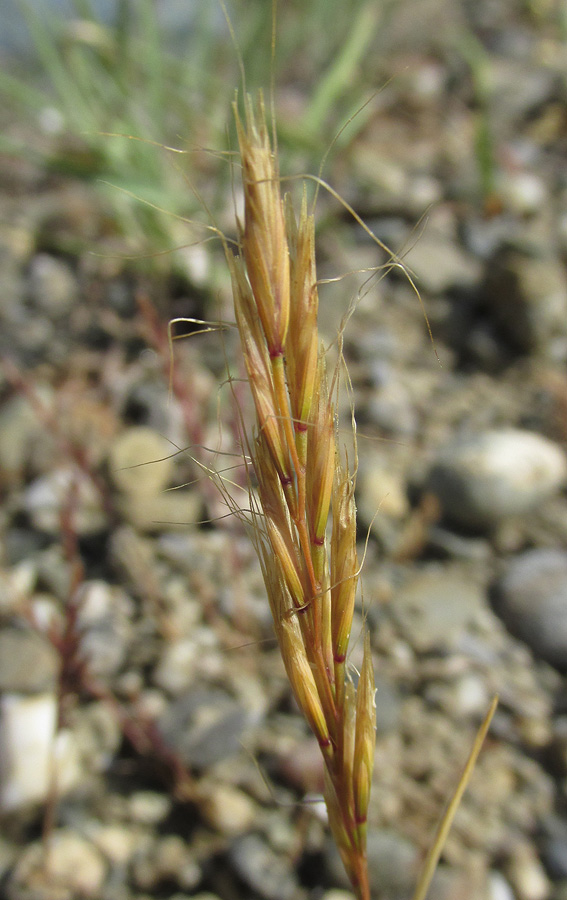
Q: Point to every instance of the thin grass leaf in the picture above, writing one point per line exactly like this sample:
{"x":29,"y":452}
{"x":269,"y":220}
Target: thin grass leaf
{"x":342,"y":70}
{"x":444,"y":826}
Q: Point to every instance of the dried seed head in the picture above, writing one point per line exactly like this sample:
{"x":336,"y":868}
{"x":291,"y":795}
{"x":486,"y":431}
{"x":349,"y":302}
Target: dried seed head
{"x":277,"y":523}
{"x":344,"y":563}
{"x":337,"y":825}
{"x":365,"y":739}
{"x":302,"y":349}
{"x":311,"y":590}
{"x":321,"y":460}
{"x":258,"y":367}
{"x":349,"y":732}
{"x":264,"y":241}
{"x":302,"y":681}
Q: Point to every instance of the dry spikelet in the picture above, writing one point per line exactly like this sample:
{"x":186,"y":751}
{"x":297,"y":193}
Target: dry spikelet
{"x":310,"y":581}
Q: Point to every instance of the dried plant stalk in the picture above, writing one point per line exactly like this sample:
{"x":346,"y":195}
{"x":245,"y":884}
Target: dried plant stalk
{"x":310,"y":579}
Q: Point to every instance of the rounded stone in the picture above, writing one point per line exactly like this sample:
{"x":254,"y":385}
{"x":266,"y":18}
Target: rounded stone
{"x":531,"y":599}
{"x":28,"y":662}
{"x":141,"y":461}
{"x":52,"y":285}
{"x":484,"y":478}
{"x":75,"y":868}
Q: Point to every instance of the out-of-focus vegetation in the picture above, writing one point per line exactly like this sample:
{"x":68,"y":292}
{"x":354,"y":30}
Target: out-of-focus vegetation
{"x":132,"y":77}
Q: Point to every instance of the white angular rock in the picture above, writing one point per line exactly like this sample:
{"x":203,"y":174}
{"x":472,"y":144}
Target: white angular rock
{"x":30,"y":751}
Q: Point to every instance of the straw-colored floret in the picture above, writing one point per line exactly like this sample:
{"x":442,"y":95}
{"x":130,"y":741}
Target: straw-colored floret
{"x":305,"y":531}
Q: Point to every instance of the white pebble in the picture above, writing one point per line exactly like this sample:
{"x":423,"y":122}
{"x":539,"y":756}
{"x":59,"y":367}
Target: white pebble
{"x":498,"y":887}
{"x":527,"y":874}
{"x":27,"y":732}
{"x":30,"y":750}
{"x":487,"y":477}
{"x":49,"y":495}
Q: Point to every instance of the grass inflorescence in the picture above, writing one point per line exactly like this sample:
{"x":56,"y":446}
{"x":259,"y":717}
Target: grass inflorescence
{"x":303,"y":506}
{"x":305,"y":522}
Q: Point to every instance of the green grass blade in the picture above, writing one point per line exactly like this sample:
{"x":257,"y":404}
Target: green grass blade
{"x":444,"y":826}
{"x":341,"y":72}
{"x":46,"y":47}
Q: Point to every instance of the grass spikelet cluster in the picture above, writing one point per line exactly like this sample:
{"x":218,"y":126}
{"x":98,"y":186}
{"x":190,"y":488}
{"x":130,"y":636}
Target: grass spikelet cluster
{"x":305,"y":529}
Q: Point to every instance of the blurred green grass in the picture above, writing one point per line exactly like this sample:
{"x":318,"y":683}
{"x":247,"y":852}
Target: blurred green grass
{"x":94,"y":79}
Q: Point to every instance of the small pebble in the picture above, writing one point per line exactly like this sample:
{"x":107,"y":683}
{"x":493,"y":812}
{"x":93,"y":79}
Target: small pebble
{"x":98,"y":735}
{"x":439,"y":264}
{"x":19,"y":430}
{"x":67,"y":487}
{"x":261,"y":869}
{"x":499,"y":887}
{"x":52,"y":285}
{"x":527,"y":875}
{"x":177,"y":666}
{"x":74,"y":868}
{"x":393,"y":863}
{"x":531,"y":599}
{"x":149,"y":807}
{"x":435,"y":606}
{"x":527,"y":297}
{"x":29,"y":663}
{"x":141,"y":461}
{"x":483,"y":478}
{"x":229,"y":810}
{"x":337,"y":894}
{"x":468,"y":697}
{"x":522,"y":192}
{"x":204,"y":727}
{"x":117,"y":843}
{"x":27,"y":733}
{"x":104,"y":622}
{"x":391,"y":408}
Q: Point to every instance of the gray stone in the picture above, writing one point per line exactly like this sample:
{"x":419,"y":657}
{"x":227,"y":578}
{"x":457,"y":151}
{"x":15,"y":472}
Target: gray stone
{"x":104,"y":621}
{"x":554,"y":846}
{"x":388,"y":705}
{"x":49,"y":495}
{"x":28,"y":662}
{"x":391,"y":408}
{"x":527,"y":297}
{"x":435,"y":606}
{"x":439,"y":264}
{"x":531,"y":599}
{"x":204,"y":727}
{"x":393,"y":863}
{"x":53,"y":286}
{"x":484,"y":478}
{"x":261,"y":869}
{"x":19,"y":430}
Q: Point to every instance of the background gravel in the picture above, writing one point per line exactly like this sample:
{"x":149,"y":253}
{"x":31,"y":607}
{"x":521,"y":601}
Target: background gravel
{"x":146,"y":726}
